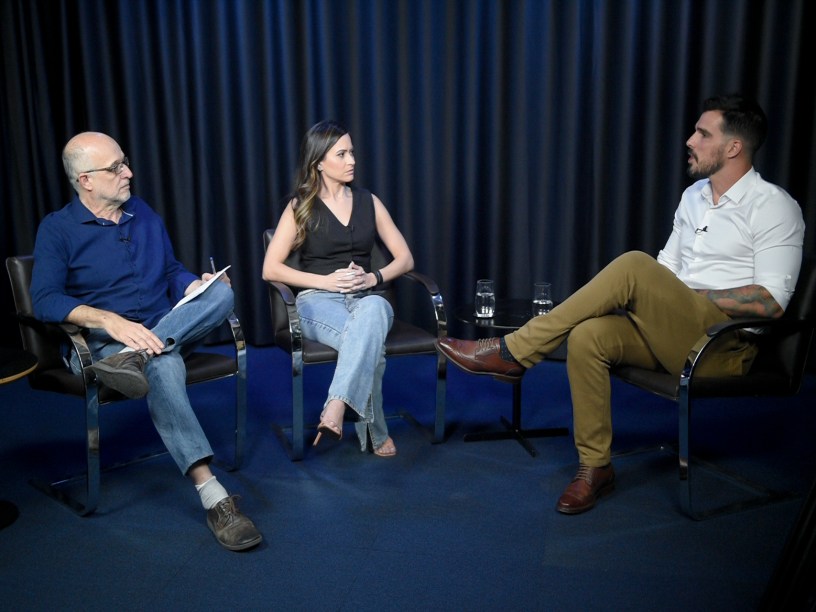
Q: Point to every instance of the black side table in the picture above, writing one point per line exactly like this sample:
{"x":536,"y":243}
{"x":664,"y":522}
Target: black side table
{"x":509,"y":316}
{"x":14,"y":364}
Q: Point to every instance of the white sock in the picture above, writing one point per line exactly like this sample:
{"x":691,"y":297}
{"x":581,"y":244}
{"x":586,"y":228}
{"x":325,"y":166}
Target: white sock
{"x":211,"y":493}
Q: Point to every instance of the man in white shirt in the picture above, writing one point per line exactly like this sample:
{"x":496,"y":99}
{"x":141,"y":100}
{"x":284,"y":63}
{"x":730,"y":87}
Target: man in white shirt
{"x":735,"y":250}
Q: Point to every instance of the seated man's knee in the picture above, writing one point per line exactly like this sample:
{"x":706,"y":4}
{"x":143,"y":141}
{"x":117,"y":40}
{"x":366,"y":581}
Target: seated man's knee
{"x":223,"y":295}
{"x":584,"y":339}
{"x":634,"y":259}
{"x":220,"y":300}
{"x":601,"y":338}
{"x":632,"y":264}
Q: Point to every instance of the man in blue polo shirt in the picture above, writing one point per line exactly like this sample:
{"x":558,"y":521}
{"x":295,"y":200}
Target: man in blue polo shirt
{"x":105,"y":262}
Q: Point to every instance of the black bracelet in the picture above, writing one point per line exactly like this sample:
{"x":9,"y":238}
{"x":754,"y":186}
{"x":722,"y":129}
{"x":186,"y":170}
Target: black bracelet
{"x":378,"y":274}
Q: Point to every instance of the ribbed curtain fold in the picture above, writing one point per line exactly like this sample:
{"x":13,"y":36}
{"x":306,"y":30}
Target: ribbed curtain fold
{"x":511,"y":139}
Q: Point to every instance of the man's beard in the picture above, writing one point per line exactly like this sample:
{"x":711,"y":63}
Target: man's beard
{"x":704,"y":170}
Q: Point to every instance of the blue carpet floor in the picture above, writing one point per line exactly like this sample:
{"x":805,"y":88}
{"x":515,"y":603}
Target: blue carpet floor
{"x":454,"y":526}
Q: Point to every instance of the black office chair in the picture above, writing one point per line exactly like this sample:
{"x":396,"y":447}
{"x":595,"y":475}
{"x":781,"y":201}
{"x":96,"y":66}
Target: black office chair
{"x":777,"y":371}
{"x":45,"y":340}
{"x":403,"y":339}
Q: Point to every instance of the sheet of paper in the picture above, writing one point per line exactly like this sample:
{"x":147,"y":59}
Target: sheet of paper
{"x":201,"y":288}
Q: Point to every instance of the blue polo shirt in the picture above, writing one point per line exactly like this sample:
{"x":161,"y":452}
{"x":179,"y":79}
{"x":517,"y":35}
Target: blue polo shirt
{"x":128,"y":268}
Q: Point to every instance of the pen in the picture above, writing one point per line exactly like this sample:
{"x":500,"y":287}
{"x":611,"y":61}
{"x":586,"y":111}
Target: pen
{"x":212,"y":265}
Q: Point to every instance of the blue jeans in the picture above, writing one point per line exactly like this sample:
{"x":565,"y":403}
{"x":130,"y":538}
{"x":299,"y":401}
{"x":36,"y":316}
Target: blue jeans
{"x":355,"y":325}
{"x":180,"y":330}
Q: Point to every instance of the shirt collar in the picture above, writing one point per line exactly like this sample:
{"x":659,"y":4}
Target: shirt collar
{"x":734,"y":194}
{"x":81,"y":213}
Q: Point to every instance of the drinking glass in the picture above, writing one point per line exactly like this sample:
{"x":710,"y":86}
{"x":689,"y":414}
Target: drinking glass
{"x":542,"y":298}
{"x":485,"y":299}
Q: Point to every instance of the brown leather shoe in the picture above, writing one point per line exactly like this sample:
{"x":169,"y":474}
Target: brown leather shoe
{"x":482,"y":356}
{"x":231,"y":527}
{"x":586,"y":488}
{"x":123,"y":372}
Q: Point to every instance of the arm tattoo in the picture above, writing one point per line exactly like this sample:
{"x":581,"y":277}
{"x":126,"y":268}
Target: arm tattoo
{"x":747,"y":301}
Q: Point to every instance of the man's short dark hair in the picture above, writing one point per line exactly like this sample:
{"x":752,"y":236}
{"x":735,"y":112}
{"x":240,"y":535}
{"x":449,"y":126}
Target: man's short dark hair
{"x":742,"y":117}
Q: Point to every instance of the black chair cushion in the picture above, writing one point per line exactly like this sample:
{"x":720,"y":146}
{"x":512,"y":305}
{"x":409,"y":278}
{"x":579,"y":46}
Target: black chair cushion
{"x":403,"y":339}
{"x":762,"y":383}
{"x":201,"y":367}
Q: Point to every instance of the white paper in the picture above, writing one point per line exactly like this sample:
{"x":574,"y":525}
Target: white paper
{"x":201,"y":288}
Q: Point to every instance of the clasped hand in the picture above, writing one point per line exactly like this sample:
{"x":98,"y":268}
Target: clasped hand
{"x":348,"y":280}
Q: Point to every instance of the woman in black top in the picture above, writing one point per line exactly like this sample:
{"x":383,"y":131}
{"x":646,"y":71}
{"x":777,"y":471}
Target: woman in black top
{"x":334,"y":226}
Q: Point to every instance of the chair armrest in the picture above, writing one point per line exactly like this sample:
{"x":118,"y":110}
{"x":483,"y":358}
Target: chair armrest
{"x":437,"y":303}
{"x":781,"y":325}
{"x":56,"y":334}
{"x":426,"y":281}
{"x":237,"y":332}
{"x":281,"y":291}
{"x":78,"y":344}
{"x":285,"y":292}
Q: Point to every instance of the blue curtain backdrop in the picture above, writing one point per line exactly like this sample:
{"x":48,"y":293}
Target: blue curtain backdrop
{"x":515,"y":140}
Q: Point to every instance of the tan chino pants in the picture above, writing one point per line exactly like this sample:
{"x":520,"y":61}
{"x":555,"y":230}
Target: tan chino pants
{"x":663,"y":320}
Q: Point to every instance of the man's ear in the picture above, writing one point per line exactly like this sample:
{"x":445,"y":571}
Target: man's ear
{"x":734,"y":147}
{"x":84,"y":182}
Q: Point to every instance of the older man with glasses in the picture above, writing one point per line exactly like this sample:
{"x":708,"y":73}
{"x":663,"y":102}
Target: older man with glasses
{"x":104,"y":262}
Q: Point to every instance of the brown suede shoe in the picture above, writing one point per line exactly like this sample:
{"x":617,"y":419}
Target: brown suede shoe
{"x":482,"y":356}
{"x":586,"y":488}
{"x":123,"y":372}
{"x":231,"y":527}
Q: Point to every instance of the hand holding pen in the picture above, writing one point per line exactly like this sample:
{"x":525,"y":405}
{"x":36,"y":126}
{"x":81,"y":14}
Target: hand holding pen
{"x":224,"y":278}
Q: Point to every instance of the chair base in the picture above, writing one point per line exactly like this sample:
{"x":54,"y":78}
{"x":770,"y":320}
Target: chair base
{"x":436,"y":436}
{"x":56,"y":490}
{"x":286,"y":442}
{"x":759,"y":495}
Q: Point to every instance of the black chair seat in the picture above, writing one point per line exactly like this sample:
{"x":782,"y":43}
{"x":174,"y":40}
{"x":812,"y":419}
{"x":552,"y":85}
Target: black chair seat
{"x":777,"y":371}
{"x":201,"y":367}
{"x":660,"y":383}
{"x":664,"y":384}
{"x":407,"y":339}
{"x":403,"y":339}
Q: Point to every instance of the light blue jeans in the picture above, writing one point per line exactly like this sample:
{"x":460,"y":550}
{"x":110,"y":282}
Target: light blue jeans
{"x":355,"y":325}
{"x":180,"y":330}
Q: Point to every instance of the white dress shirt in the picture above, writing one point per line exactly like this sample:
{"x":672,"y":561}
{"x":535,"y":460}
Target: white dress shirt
{"x":753,"y":235}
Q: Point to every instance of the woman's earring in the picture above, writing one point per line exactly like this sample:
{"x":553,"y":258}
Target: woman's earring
{"x":320,"y":167}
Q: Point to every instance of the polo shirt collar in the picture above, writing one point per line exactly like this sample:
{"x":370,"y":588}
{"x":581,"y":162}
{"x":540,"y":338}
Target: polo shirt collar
{"x":81,"y":214}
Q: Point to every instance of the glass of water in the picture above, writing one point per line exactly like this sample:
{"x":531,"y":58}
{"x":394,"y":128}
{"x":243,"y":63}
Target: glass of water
{"x":542,"y":298}
{"x":485,"y":299}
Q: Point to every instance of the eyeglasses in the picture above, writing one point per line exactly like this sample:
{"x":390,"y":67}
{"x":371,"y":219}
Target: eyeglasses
{"x":116,"y":168}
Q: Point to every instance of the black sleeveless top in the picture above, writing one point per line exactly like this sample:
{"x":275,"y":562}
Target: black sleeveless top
{"x":330,"y":245}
